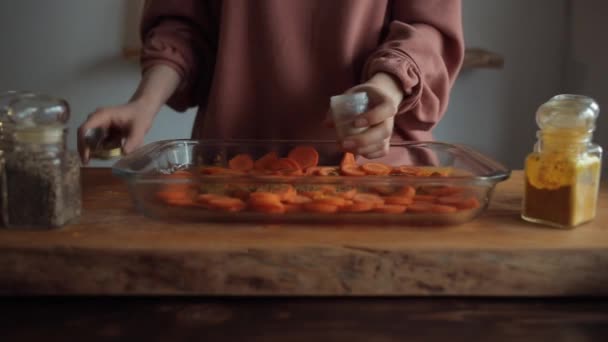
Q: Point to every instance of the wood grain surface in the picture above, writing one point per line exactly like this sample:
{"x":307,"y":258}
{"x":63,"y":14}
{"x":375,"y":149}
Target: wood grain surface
{"x":114,"y":250}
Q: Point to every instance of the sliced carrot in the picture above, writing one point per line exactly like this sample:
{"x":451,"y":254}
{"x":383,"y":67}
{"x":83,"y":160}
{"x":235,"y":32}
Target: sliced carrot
{"x":323,"y":208}
{"x":425,"y":198}
{"x":265,"y":161}
{"x":331,"y":200}
{"x":358,"y":207}
{"x":226,"y":203}
{"x":297,"y":199}
{"x":241,"y":162}
{"x":390,"y":209}
{"x":285,"y":192}
{"x":348,"y":159}
{"x":406,"y":191}
{"x":262,"y":196}
{"x":398,"y":200}
{"x":205,"y":198}
{"x":376,"y":169}
{"x":352,"y":170}
{"x":313,"y":194}
{"x":284,"y":164}
{"x":328,"y":189}
{"x":383,"y":189}
{"x":443,"y":209}
{"x":348,"y":194}
{"x":405,"y":170}
{"x":368,"y":198}
{"x":305,"y":156}
{"x":267,"y":207}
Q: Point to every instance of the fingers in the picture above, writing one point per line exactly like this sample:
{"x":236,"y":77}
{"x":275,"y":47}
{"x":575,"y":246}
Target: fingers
{"x":134,"y":139}
{"x":375,"y":115}
{"x":372,"y":143}
{"x":105,"y":119}
{"x":101,"y":118}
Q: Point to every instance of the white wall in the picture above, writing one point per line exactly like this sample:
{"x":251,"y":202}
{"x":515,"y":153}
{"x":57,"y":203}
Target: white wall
{"x":71,"y":48}
{"x":587,"y":62}
{"x":493,"y":110}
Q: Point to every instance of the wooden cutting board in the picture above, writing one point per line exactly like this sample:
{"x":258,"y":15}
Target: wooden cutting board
{"x":114,"y":250}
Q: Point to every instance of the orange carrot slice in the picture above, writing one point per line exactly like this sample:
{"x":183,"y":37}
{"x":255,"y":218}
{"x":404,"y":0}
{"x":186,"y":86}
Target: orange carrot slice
{"x":390,"y":209}
{"x":267,"y":207}
{"x":376,"y":169}
{"x":313,"y":194}
{"x":284,"y":164}
{"x":262,"y":196}
{"x":226,"y":203}
{"x":352,"y":170}
{"x":322,"y":208}
{"x":407,"y":191}
{"x":368,"y":198}
{"x":305,"y":156}
{"x":265,"y":161}
{"x":297,"y":199}
{"x":331,"y":200}
{"x":348,"y":194}
{"x":405,"y":170}
{"x":241,"y":162}
{"x":348,"y":159}
{"x":398,"y":200}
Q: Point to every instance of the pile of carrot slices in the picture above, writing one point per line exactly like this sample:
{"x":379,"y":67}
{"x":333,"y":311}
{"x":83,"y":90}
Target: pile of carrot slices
{"x":323,"y":199}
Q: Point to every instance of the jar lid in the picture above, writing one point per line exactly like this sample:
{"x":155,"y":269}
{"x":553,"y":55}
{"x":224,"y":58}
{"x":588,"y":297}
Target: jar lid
{"x":568,"y":112}
{"x":24,"y":110}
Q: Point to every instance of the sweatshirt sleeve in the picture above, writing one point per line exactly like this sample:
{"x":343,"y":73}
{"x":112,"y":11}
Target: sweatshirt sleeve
{"x":423,"y":50}
{"x":178,"y":33}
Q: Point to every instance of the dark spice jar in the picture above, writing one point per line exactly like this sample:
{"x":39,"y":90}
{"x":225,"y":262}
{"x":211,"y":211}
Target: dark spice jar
{"x":40,"y":179}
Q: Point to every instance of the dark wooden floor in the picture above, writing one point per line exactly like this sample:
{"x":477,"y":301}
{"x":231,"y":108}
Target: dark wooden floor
{"x":239,"y":319}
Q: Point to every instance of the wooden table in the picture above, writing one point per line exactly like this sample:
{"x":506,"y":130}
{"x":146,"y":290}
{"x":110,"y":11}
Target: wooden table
{"x":114,"y":250}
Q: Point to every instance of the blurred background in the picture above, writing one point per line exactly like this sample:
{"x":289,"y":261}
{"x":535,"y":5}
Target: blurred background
{"x":74,"y":49}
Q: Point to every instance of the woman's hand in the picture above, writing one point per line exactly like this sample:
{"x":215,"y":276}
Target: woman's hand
{"x":134,"y":119}
{"x":385,"y":96}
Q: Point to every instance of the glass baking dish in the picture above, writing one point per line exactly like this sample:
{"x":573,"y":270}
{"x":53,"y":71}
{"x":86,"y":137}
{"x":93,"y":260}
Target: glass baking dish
{"x":442,"y":175}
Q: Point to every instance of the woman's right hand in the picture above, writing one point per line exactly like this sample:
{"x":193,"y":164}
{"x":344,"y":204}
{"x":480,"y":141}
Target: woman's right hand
{"x":133,"y":120}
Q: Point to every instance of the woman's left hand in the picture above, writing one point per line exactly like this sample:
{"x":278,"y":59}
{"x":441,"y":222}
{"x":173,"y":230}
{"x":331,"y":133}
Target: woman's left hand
{"x":385,"y":96}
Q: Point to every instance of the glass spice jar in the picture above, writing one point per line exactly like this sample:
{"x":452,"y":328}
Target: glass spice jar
{"x":40,"y":179}
{"x":563,"y":173}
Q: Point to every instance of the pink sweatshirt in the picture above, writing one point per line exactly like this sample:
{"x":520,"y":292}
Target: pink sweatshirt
{"x":265,"y":69}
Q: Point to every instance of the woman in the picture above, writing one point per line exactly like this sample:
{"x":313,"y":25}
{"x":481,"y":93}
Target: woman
{"x":265,"y":69}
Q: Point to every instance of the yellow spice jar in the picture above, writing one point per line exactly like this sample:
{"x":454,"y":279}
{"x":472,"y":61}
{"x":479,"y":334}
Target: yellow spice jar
{"x":563,"y":173}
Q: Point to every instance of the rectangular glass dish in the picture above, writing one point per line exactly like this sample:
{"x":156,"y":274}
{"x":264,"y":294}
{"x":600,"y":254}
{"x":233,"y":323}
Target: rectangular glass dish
{"x":428,"y":183}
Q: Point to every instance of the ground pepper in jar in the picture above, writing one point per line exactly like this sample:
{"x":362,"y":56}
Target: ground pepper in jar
{"x":40,"y":179}
{"x":563,"y":173}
